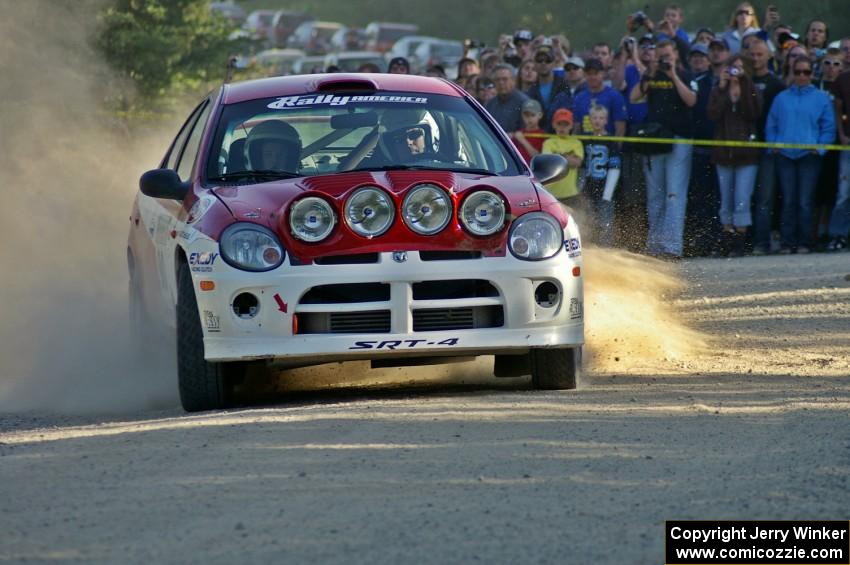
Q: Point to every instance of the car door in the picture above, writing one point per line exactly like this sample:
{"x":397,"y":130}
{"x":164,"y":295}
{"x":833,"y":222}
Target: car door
{"x":160,"y":214}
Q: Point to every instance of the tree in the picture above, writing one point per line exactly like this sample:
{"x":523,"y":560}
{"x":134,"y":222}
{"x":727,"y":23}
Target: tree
{"x":164,"y":48}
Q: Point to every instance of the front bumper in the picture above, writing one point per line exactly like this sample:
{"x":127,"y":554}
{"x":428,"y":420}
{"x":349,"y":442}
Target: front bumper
{"x":523,"y":323}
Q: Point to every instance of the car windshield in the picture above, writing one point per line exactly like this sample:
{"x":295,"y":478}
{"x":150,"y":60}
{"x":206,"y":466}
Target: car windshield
{"x":390,"y":34}
{"x":316,"y":134}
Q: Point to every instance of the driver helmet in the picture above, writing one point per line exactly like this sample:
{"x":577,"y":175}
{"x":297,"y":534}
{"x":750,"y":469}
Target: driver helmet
{"x":284,"y":136}
{"x":407,"y":133}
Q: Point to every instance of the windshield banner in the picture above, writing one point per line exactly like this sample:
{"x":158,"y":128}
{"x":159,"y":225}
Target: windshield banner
{"x":332,"y":100}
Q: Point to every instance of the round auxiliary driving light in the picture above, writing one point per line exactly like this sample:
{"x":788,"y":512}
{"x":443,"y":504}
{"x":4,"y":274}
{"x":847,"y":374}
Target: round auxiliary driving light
{"x":311,"y":219}
{"x":369,"y":212}
{"x":427,"y":209}
{"x":483,"y":213}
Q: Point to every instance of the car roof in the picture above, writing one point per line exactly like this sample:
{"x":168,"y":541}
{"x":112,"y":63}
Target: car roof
{"x":303,"y":84}
{"x":357,"y":54}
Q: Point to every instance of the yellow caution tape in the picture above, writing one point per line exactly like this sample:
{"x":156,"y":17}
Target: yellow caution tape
{"x":701,"y":142}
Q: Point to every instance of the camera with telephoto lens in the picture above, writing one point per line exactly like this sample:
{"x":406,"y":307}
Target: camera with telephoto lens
{"x":629,"y":43}
{"x":664,"y":65}
{"x":639,"y":18}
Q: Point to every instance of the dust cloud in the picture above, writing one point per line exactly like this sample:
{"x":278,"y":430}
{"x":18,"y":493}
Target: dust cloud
{"x":68,"y":178}
{"x":632,"y":323}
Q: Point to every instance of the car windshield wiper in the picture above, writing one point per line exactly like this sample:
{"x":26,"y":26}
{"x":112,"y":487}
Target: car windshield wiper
{"x":425,"y":168}
{"x":259,"y":174}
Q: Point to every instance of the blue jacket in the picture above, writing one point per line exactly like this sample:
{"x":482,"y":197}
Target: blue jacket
{"x":801,"y":115}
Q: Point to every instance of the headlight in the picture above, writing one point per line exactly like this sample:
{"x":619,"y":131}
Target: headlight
{"x":311,"y":219}
{"x":251,"y":247}
{"x":427,"y":209}
{"x":483,"y":213}
{"x":369,"y":212}
{"x":536,"y":236}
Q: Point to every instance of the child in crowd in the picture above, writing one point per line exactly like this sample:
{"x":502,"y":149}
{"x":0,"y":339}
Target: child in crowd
{"x":566,"y":189}
{"x":602,"y":174}
{"x":532,"y":113}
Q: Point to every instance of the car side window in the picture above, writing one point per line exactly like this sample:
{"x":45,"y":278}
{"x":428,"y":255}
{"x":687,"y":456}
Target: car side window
{"x":170,"y":161}
{"x":190,"y":151}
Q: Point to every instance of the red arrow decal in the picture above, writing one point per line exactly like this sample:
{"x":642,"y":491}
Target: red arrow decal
{"x":281,"y":305}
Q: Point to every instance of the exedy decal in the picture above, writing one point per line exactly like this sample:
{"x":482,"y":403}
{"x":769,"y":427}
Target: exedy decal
{"x":331,"y":100}
{"x":573,"y":247}
{"x":202,"y":262}
{"x":402,"y":344}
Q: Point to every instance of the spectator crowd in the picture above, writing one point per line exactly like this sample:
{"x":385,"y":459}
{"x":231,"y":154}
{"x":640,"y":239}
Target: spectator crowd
{"x":756,"y":80}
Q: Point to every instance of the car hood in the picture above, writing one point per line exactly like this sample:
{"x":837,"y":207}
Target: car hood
{"x":268,"y":204}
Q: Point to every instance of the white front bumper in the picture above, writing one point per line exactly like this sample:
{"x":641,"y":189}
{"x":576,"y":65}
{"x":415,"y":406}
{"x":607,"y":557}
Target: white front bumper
{"x":269,"y":335}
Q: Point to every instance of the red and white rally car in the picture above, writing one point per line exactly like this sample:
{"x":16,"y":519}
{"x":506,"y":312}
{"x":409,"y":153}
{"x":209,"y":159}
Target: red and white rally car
{"x":308,"y":219}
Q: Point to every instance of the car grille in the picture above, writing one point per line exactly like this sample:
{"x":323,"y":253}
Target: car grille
{"x":443,"y":319}
{"x":372,"y":322}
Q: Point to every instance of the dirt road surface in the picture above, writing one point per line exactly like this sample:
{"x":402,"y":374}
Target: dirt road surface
{"x":755,"y":427}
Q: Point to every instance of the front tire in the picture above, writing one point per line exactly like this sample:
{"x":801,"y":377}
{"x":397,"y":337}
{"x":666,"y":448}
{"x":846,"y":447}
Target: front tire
{"x":202,"y":384}
{"x":555,"y":369}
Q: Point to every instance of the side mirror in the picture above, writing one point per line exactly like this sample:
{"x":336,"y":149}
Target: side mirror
{"x":163,"y":183}
{"x":549,"y":168}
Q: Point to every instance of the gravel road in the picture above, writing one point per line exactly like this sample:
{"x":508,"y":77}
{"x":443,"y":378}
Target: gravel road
{"x":754,"y":426}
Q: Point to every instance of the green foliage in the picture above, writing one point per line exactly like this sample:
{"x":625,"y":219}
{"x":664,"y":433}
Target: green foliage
{"x":164,"y":48}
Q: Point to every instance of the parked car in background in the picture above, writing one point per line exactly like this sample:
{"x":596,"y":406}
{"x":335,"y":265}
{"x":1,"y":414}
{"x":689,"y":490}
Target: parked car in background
{"x":444,"y":52}
{"x":313,"y":37}
{"x":405,"y":46}
{"x":350,"y":61}
{"x":309,"y":65}
{"x":284,"y":24}
{"x":348,"y":39}
{"x":259,"y":24}
{"x":229,"y":10}
{"x":278,"y":62}
{"x":380,"y":36}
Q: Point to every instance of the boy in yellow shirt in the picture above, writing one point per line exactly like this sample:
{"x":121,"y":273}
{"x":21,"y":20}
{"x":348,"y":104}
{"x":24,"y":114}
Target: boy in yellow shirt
{"x":566,"y":189}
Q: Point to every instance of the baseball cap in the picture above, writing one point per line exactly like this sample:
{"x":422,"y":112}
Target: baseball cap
{"x":719,"y":41}
{"x":594,"y":65}
{"x":523,"y":35}
{"x":562,"y":115}
{"x":399,"y":61}
{"x":646,"y":38}
{"x":532,"y":105}
{"x":698,"y":48}
{"x":705,"y":30}
{"x":575,"y":61}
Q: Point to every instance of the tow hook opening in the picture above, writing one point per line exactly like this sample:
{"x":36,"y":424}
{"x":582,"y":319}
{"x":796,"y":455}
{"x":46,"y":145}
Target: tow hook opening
{"x":246,"y":306}
{"x":547,"y":295}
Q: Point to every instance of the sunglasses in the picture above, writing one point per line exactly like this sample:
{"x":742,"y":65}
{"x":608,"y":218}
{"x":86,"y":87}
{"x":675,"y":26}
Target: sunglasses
{"x":832,"y":63}
{"x":799,"y":72}
{"x":414,"y":134}
{"x":744,"y":13}
{"x":571,"y":69}
{"x":543,"y":60}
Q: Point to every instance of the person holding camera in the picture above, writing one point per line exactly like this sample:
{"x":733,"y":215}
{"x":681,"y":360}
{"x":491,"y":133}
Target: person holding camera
{"x":800,"y":114}
{"x":670,"y":96}
{"x":734,"y":106}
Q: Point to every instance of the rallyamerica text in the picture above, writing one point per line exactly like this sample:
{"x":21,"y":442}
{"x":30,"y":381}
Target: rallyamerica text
{"x":744,"y":532}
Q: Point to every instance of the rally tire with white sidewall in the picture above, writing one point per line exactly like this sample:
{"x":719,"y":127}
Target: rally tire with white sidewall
{"x":555,"y":368}
{"x":202,"y":384}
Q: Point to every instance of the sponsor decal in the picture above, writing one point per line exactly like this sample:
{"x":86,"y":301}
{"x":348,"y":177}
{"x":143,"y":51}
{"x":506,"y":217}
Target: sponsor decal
{"x":281,"y":305}
{"x":212,"y":322}
{"x":202,"y":262}
{"x":187,"y":235}
{"x":573,"y":247}
{"x":527,"y":203}
{"x":252,"y":215}
{"x":576,"y":309}
{"x":332,"y":100}
{"x":402,"y":344}
{"x":399,"y":256}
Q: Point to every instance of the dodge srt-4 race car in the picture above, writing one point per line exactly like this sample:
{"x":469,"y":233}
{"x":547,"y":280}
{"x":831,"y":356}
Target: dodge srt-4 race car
{"x":308,"y":219}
